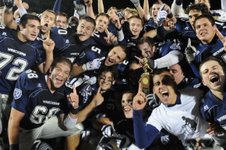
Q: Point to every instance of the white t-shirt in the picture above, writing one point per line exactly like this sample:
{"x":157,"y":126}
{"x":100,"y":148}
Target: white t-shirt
{"x":182,"y":120}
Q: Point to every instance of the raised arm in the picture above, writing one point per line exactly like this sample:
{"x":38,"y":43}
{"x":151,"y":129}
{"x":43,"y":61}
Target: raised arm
{"x":144,"y":134}
{"x":100,"y":5}
{"x":89,"y":8}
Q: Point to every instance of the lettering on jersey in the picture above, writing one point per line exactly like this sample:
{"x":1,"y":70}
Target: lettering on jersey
{"x":41,"y":113}
{"x":96,"y":49}
{"x":74,"y":54}
{"x":219,"y":51}
{"x":51,"y":102}
{"x":222,"y":118}
{"x":17,"y":93}
{"x":206,"y":107}
{"x":16,"y":51}
{"x":20,"y":65}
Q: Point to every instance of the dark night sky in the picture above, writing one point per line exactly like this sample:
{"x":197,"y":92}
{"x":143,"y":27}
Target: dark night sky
{"x":67,"y":5}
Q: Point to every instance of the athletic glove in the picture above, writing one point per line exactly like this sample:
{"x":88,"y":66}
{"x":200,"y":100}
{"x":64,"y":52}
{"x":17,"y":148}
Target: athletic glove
{"x":92,"y":65}
{"x":190,"y":52}
{"x":136,"y":3}
{"x":79,"y":7}
{"x":161,"y":17}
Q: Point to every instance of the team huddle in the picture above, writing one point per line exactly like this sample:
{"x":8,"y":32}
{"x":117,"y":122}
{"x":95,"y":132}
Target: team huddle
{"x":149,"y":77}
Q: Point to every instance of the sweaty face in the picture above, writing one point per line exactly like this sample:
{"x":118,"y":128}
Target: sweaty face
{"x":163,"y":88}
{"x":115,"y":56}
{"x":205,"y":31}
{"x":31,"y":30}
{"x":213,"y":75}
{"x":147,"y":50}
{"x":47,"y":21}
{"x":59,"y":75}
{"x":85,"y":30}
{"x":177,"y":73}
{"x":135,"y":26}
{"x":127,"y":101}
{"x":106,"y":80}
{"x":102,"y":23}
{"x":61,"y":21}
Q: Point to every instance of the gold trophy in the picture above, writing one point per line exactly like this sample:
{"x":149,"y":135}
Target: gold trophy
{"x":146,"y":76}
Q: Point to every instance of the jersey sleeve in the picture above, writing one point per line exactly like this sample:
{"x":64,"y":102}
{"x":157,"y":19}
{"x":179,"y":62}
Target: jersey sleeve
{"x":20,"y":94}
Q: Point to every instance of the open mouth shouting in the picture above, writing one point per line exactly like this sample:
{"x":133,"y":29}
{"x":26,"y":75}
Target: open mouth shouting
{"x":165,"y":94}
{"x":214,"y":78}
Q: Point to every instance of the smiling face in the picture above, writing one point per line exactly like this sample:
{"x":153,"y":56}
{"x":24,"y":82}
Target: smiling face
{"x":213,"y":75}
{"x":115,"y":56}
{"x":135,"y":26}
{"x":147,"y":50}
{"x":106,"y":80}
{"x":164,"y":88}
{"x":205,"y":31}
{"x":126,"y":102}
{"x":59,"y":74}
{"x":61,"y":21}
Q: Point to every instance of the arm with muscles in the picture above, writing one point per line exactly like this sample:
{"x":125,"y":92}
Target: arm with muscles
{"x":172,"y":58}
{"x":100,"y":5}
{"x":91,"y":65}
{"x":14,"y":128}
{"x":120,"y":36}
{"x":111,"y":39}
{"x":48,"y":45}
{"x":21,"y":10}
{"x":146,"y":10}
{"x":221,"y":37}
{"x":82,"y":115}
{"x":140,"y":10}
{"x":144,"y":134}
{"x":89,"y":8}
